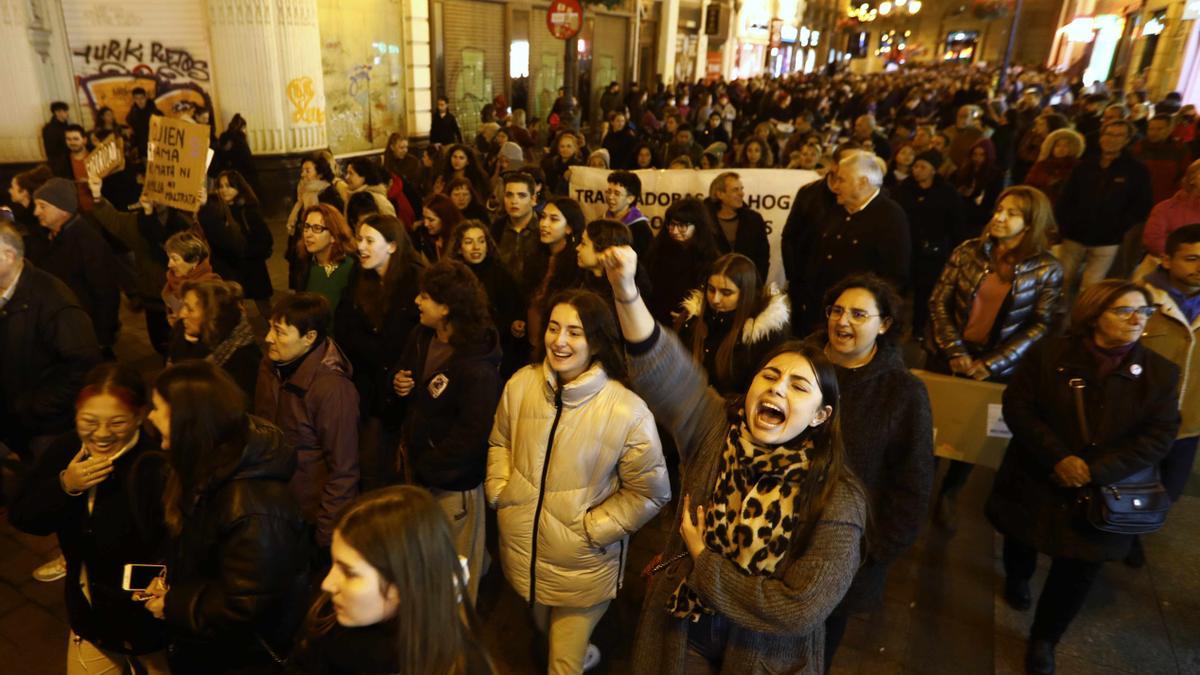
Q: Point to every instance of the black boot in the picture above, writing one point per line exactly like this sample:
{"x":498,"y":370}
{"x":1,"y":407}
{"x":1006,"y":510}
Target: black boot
{"x":1039,"y":657}
{"x":1136,"y":558}
{"x":1016,"y":594}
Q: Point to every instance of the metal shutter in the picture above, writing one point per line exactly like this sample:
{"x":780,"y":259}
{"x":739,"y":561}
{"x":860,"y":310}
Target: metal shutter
{"x":545,"y":64}
{"x":473,"y":35}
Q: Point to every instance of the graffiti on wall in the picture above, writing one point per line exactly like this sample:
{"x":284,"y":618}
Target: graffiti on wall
{"x":302,"y":93}
{"x":363,"y":98}
{"x":108,"y":71}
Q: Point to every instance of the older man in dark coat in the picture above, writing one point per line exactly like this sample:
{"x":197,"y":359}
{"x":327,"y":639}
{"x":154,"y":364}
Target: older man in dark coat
{"x":47,"y":345}
{"x":80,"y":257}
{"x":866,"y":232}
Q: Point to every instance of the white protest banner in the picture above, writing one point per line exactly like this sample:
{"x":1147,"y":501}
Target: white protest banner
{"x":175,"y":162}
{"x":107,"y":159}
{"x":768,"y":191}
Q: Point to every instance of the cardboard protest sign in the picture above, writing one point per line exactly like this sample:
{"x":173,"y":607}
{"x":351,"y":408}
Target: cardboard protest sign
{"x":108,"y":157}
{"x":968,"y":419}
{"x":175,"y":162}
{"x":768,"y":191}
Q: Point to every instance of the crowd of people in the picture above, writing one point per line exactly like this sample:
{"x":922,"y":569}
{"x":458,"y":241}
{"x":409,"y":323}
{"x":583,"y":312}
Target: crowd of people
{"x":315,"y":466}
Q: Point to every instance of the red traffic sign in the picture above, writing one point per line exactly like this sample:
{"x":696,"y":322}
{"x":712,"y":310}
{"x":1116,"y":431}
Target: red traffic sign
{"x":564,"y":18}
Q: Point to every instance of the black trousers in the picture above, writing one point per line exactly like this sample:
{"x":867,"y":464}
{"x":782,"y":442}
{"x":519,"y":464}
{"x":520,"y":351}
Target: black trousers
{"x":1062,"y":596}
{"x":1176,"y":467}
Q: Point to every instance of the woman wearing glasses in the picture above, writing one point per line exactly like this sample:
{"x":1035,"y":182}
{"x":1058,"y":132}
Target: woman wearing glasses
{"x":887,"y":428}
{"x":98,"y":488}
{"x":1124,"y":422}
{"x":325,"y":254}
{"x":679,"y":257}
{"x":995,"y":298}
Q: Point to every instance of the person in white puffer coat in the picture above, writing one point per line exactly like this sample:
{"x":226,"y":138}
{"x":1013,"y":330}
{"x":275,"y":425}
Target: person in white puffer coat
{"x":575,"y":466}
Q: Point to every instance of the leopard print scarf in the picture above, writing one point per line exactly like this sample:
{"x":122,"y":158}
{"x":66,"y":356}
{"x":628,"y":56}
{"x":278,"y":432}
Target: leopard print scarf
{"x":749,"y":518}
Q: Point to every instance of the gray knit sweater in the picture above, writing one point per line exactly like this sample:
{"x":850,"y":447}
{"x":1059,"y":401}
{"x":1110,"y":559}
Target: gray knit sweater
{"x":777,"y":622}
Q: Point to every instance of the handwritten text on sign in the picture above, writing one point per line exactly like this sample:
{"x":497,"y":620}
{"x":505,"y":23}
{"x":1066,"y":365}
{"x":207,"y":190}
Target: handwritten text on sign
{"x":175,"y":162}
{"x":107,"y":159}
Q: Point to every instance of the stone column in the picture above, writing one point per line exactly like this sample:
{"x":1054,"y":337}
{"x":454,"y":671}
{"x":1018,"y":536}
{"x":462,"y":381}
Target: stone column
{"x":418,"y":99}
{"x":267,"y":66}
{"x":668,"y":26}
{"x":26,"y":108}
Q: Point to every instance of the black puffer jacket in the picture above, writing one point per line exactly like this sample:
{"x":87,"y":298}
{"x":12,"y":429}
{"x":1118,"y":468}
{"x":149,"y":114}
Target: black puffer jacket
{"x":1023,"y":320}
{"x":1132,"y":417}
{"x":124,"y":526}
{"x":238,"y":571}
{"x":750,"y":239}
{"x":758,"y":335}
{"x":448,"y":415}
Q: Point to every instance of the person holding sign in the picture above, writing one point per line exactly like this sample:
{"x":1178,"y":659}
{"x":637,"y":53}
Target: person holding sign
{"x":1086,"y":410}
{"x":995,"y":299}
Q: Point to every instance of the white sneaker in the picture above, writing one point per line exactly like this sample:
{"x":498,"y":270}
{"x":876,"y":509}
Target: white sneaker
{"x":52,"y":571}
{"x":592,"y":658}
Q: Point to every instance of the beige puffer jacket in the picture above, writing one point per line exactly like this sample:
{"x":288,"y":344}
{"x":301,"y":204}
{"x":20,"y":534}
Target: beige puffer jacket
{"x":569,"y":505}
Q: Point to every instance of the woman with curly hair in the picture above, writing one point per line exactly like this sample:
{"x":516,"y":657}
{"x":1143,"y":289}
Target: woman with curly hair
{"x":213,"y":327}
{"x":461,"y":161}
{"x":446,"y":377}
{"x":755,"y":154}
{"x":325,"y":254}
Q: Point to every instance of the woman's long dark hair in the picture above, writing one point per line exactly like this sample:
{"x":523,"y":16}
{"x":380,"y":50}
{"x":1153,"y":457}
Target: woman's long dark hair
{"x":751,"y":301}
{"x":473,"y":171}
{"x":564,"y":266}
{"x":402,"y":533}
{"x":453,"y":284}
{"x":448,"y":213}
{"x":246,"y":196}
{"x":208,"y":433}
{"x":373,"y":294}
{"x":827,"y":459}
{"x":599,"y":328}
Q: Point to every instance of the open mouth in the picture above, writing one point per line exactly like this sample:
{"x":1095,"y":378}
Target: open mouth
{"x":561,"y":354}
{"x":768,"y":414}
{"x":843,"y":334}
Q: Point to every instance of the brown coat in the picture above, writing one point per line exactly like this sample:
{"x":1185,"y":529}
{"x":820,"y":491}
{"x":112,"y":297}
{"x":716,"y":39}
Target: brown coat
{"x":317,"y":409}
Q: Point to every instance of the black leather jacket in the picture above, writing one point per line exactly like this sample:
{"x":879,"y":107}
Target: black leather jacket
{"x":239,"y":569}
{"x":1023,"y":320}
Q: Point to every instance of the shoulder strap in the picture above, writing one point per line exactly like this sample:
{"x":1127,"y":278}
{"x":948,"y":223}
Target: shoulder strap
{"x":1077,"y":385}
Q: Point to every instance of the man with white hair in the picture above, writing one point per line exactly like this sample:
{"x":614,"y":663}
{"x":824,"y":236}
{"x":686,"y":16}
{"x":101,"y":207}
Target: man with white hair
{"x":868,"y":232}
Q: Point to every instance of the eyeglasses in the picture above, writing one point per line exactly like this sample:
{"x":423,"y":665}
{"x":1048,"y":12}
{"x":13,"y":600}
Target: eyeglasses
{"x":857,"y":316}
{"x":315,"y":228}
{"x":1124,"y":313}
{"x":676,"y":225}
{"x":119,"y":426}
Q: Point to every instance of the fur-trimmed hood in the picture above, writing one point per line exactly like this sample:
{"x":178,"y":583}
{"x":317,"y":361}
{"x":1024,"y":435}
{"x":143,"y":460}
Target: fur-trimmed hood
{"x":773,"y":319}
